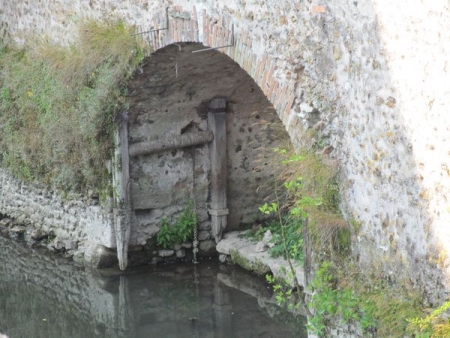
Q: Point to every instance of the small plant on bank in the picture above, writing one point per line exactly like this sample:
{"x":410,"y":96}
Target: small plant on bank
{"x":283,"y":292}
{"x":179,"y":232}
{"x":309,"y":194}
{"x":290,"y":211}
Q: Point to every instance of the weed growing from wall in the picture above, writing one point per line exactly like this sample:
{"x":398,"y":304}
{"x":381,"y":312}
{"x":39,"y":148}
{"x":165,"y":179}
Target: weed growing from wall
{"x":380,"y":307}
{"x":180,"y":231}
{"x":57,"y":105}
{"x":306,"y":189}
{"x":303,"y":188}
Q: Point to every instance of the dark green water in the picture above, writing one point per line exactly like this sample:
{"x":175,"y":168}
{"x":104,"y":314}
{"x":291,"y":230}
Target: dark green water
{"x":47,"y":296}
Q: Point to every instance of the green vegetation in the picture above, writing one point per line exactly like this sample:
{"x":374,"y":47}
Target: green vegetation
{"x":382,"y":309}
{"x":306,"y":192}
{"x":306,"y":198}
{"x":57,"y":105}
{"x":375,"y":304}
{"x":179,"y":232}
{"x":434,"y":325}
{"x":294,"y":236}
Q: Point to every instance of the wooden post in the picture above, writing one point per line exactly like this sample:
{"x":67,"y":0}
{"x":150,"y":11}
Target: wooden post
{"x":218,"y":155}
{"x":123,"y":210}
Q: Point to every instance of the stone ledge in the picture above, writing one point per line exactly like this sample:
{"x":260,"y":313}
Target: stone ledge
{"x":242,"y":252}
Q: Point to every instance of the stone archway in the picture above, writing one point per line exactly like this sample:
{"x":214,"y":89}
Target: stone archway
{"x":169,"y":97}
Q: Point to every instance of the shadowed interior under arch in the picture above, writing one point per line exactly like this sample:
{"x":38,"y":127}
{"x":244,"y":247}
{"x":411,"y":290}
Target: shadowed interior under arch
{"x":169,"y":96}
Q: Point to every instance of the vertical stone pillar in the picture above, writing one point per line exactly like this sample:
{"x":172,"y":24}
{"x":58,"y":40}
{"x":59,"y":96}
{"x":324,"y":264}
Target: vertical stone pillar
{"x":122,"y":198}
{"x":218,"y":155}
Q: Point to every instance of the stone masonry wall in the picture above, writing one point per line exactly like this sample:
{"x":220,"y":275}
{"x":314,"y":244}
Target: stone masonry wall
{"x":79,"y":221}
{"x":372,"y":72}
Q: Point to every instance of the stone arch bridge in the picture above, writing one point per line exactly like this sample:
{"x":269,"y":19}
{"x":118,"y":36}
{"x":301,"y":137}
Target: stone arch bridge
{"x":371,"y":75}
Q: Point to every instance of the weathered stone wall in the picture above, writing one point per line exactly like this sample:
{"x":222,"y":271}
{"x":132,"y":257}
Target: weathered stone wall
{"x":80,"y":221}
{"x":374,"y":72}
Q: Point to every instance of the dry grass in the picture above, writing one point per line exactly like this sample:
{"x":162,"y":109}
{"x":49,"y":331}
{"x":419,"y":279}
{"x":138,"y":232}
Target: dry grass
{"x":58,"y":105}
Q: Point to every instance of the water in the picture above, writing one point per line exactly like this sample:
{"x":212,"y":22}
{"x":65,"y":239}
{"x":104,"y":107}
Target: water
{"x":48,"y":296}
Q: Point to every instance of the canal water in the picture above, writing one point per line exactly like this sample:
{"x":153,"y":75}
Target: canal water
{"x":43,"y":295}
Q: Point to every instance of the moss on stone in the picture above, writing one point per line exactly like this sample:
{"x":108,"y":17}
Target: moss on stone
{"x":256,"y":266}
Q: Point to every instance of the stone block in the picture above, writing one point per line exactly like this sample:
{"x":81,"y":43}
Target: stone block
{"x":261,"y":247}
{"x":58,"y":244}
{"x":18,"y":230}
{"x":207,"y":247}
{"x":165,"y":253}
{"x":103,"y":257}
{"x":203,"y":235}
{"x":6,"y":222}
{"x":205,"y":225}
{"x":180,"y":253}
{"x":187,"y":245}
{"x":223,"y":258}
{"x":38,"y":235}
{"x":71,"y":244}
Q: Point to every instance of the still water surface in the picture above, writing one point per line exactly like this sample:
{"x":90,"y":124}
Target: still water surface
{"x":48,"y":296}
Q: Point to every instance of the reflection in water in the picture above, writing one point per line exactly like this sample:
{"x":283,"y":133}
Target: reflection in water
{"x":46,"y":296}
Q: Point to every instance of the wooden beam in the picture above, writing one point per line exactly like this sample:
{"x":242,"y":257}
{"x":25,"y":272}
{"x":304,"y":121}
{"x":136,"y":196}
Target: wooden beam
{"x":217,"y":121}
{"x":123,"y":210}
{"x":171,"y":142}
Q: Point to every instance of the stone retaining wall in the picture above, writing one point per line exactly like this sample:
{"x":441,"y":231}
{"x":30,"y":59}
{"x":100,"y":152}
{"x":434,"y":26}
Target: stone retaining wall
{"x":80,"y":221}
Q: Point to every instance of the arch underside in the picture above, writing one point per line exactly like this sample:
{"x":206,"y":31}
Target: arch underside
{"x":169,"y":99}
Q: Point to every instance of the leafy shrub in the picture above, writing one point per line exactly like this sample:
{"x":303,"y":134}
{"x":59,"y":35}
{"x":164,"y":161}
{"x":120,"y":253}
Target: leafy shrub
{"x":294,"y":238}
{"x":372,"y":301}
{"x":179,"y":232}
{"x":329,"y":301}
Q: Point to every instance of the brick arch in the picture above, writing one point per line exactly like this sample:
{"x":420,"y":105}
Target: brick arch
{"x":193,"y":25}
